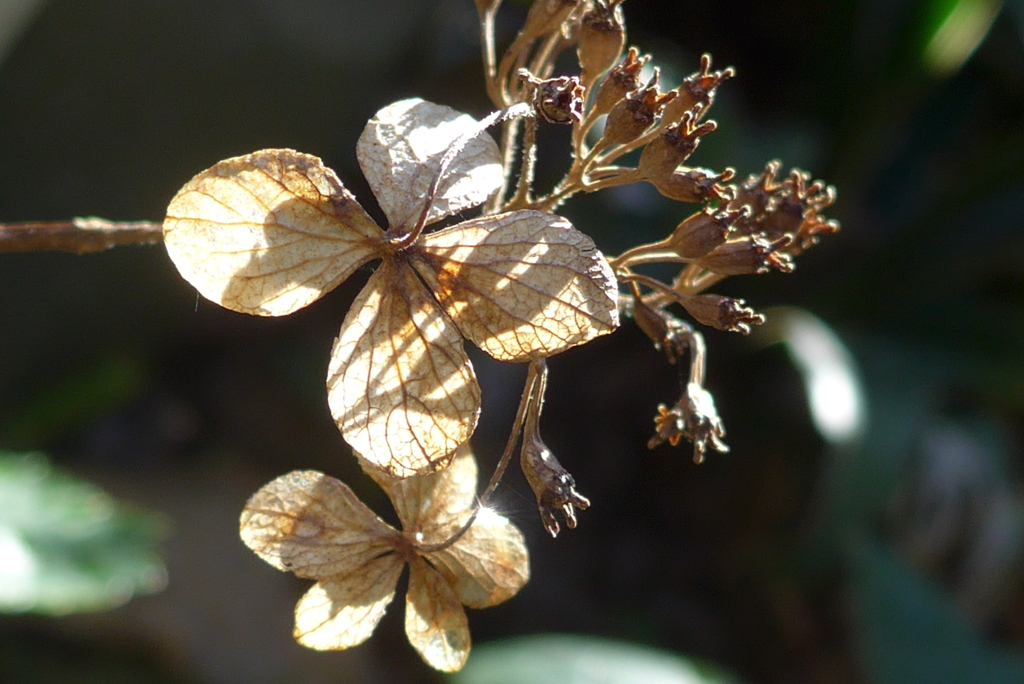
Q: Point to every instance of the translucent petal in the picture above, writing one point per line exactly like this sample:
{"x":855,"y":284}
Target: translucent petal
{"x":343,"y":611}
{"x":267,"y":233}
{"x":434,"y":619}
{"x":522,"y":285}
{"x":439,"y":502}
{"x":312,"y":525}
{"x":400,"y":385}
{"x":488,"y":564}
{"x":399,"y":152}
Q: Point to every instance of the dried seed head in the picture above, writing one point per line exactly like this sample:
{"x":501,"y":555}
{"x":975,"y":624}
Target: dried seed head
{"x":695,"y":185}
{"x":545,"y":17}
{"x":677,"y":142}
{"x":704,"y":231}
{"x":790,"y":207}
{"x":556,"y":100}
{"x":553,"y":486}
{"x":623,"y":78}
{"x":749,"y":254}
{"x":601,"y":40}
{"x":666,"y":331}
{"x":722,"y":313}
{"x":636,"y":112}
{"x":694,"y":417}
{"x":698,"y":89}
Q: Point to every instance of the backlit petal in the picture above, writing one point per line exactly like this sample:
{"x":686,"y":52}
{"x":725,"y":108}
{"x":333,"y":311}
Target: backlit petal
{"x":400,"y":385}
{"x":267,"y":233}
{"x":522,"y":285}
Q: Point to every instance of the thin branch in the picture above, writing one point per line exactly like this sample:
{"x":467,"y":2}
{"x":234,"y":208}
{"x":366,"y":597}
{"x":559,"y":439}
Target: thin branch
{"x":80,"y":235}
{"x":536,"y":371}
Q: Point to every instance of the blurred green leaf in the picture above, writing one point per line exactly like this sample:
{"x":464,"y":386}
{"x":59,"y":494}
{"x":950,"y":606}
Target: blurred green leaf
{"x":911,"y":632}
{"x":572,"y":659}
{"x":66,"y":546}
{"x":73,"y":401}
{"x":953,"y":30}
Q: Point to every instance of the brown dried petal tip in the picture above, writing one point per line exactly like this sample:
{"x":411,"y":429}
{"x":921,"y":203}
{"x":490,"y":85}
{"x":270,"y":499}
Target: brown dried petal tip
{"x":665,"y":153}
{"x":635,"y":113}
{"x":704,"y":231}
{"x":602,"y":38}
{"x":722,"y":313}
{"x":749,"y":254}
{"x":553,"y":486}
{"x":694,"y":417}
{"x":623,"y":78}
{"x":666,"y":331}
{"x":699,"y":88}
{"x":696,"y":185}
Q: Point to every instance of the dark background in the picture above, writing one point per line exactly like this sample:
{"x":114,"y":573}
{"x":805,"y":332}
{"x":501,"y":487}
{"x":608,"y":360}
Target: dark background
{"x":891,"y":558}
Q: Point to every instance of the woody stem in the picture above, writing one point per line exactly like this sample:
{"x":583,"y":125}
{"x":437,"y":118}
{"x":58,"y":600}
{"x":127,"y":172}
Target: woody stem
{"x":80,"y":235}
{"x":533,"y":377}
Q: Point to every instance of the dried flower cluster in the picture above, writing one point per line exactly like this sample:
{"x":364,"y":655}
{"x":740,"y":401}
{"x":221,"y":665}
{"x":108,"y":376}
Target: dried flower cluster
{"x":270,"y":232}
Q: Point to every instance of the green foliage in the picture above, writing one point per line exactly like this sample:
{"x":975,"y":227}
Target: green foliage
{"x":572,"y":659}
{"x":66,"y":546}
{"x":911,"y":631}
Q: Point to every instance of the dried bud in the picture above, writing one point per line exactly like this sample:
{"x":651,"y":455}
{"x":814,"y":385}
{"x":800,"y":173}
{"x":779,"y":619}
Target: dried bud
{"x":665,"y":153}
{"x":665,"y":330}
{"x":623,"y":78}
{"x":695,"y":185}
{"x":809,"y":232}
{"x":694,"y":417}
{"x":757,"y":191}
{"x":556,"y":100}
{"x":545,"y":17}
{"x":553,"y":486}
{"x":637,"y":112}
{"x":602,"y":38}
{"x":788,"y":208}
{"x":749,"y":254}
{"x":698,"y":90}
{"x":704,"y":231}
{"x":722,"y":313}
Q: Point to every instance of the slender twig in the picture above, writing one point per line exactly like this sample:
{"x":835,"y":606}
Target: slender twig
{"x":537,"y":369}
{"x":487,"y":45}
{"x":526,"y":170}
{"x":80,"y":235}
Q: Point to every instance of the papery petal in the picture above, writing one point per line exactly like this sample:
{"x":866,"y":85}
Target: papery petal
{"x":267,"y":233}
{"x":434,"y":619}
{"x":313,"y":525}
{"x":522,"y":285}
{"x":400,"y":150}
{"x":440,"y":502}
{"x":343,"y":611}
{"x":488,"y":564}
{"x":400,"y":385}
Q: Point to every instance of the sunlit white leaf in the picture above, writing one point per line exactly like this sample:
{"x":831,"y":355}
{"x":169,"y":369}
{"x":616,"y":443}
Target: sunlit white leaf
{"x":400,"y":150}
{"x":522,"y":285}
{"x":267,"y":233}
{"x":400,"y":385}
{"x":312,"y":525}
{"x":343,"y":611}
{"x":434,"y":619}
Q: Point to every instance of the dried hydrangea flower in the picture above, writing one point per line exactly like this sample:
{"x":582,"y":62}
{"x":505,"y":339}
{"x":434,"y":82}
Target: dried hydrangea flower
{"x":270,"y":232}
{"x":315,"y":526}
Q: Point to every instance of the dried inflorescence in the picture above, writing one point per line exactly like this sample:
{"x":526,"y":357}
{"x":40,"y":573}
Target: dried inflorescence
{"x":315,"y":526}
{"x":270,"y":232}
